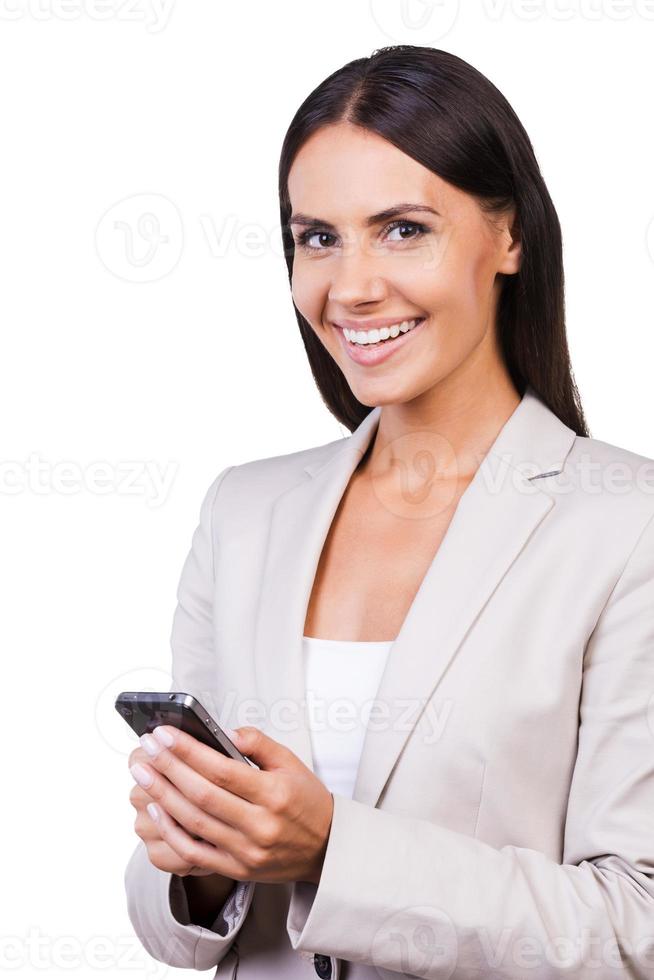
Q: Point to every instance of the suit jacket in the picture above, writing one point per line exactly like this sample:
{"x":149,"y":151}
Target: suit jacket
{"x":502,"y":821}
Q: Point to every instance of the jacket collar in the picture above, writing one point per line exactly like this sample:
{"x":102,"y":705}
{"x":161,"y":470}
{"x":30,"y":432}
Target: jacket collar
{"x":499,"y":510}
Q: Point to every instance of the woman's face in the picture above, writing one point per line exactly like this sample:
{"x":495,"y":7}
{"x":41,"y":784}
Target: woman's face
{"x":354,"y":268}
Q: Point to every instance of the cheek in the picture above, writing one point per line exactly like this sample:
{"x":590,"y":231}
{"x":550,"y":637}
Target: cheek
{"x":460,"y":286}
{"x":436,"y":277}
{"x":475,"y":266}
{"x":308,"y":291}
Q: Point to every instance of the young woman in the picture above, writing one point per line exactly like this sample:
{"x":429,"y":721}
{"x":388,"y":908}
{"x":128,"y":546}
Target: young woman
{"x":460,"y":585}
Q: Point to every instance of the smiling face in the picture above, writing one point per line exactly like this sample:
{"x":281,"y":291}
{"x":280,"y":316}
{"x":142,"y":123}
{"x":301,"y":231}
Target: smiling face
{"x":354,"y":266}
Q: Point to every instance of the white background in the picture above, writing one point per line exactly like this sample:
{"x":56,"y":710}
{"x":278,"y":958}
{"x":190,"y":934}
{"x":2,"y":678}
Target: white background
{"x":183,"y":355}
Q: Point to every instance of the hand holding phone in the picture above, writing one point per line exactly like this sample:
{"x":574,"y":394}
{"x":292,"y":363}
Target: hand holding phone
{"x":270,"y":824}
{"x":144,"y":711}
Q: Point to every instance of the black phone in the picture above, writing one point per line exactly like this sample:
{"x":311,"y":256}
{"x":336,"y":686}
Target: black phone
{"x":144,"y":710}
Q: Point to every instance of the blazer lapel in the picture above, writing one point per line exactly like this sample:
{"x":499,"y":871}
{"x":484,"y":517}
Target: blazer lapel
{"x":501,"y":507}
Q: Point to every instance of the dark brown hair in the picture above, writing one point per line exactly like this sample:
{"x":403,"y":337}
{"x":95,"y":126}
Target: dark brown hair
{"x":441,"y":111}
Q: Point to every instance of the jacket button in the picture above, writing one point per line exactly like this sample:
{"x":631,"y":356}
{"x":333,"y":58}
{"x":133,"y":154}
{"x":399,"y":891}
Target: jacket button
{"x":322,"y":965}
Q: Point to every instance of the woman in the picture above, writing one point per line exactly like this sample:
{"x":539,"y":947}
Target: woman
{"x":461,"y":572}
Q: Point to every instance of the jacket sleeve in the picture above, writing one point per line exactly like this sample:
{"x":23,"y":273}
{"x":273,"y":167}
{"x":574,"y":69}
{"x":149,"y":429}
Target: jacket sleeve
{"x":407,"y":895}
{"x":156,"y":900}
{"x":229,"y":915}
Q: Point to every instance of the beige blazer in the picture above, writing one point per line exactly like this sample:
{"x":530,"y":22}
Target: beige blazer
{"x":502,"y":821}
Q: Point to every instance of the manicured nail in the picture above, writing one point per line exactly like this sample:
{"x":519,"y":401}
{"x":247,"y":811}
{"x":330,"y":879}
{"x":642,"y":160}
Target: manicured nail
{"x":153,"y":811}
{"x":151,"y":745}
{"x":141,"y":775}
{"x":163,"y":736}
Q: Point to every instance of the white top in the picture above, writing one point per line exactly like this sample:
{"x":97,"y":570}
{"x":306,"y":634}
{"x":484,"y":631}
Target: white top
{"x":342,"y":678}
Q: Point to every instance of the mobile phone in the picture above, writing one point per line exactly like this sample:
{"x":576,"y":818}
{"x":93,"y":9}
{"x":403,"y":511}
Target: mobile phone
{"x":144,"y":710}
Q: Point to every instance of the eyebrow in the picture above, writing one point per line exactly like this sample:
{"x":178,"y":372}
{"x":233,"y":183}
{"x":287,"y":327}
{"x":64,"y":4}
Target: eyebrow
{"x":373,"y":219}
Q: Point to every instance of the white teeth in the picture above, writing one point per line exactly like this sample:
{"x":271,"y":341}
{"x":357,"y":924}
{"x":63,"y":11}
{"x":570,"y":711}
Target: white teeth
{"x":364,"y":337}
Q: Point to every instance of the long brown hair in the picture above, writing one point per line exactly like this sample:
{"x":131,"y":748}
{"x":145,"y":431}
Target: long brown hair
{"x":441,"y":111}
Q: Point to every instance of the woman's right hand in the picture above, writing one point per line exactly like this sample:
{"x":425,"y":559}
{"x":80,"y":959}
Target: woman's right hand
{"x":161,"y":854}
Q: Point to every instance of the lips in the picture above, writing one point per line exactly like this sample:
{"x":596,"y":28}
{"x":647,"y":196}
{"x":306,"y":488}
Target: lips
{"x":369,"y":355}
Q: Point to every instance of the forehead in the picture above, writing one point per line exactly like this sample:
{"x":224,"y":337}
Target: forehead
{"x":345,"y":170}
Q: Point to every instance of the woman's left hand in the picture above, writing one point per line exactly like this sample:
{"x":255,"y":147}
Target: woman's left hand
{"x":269,"y":824}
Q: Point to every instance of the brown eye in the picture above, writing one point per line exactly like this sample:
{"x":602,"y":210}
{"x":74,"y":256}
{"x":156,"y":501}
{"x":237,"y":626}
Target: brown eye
{"x":413,"y":226}
{"x":303,"y":240}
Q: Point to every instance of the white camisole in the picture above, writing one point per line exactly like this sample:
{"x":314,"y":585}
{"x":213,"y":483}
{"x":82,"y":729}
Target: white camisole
{"x":341,"y":679}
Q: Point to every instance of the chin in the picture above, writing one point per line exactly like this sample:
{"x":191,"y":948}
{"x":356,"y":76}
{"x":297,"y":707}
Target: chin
{"x":380,"y":393}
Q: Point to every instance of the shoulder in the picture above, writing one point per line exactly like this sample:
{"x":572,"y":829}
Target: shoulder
{"x":607,"y":452}
{"x":607,"y":488}
{"x":259,"y":481}
{"x":613,"y":470}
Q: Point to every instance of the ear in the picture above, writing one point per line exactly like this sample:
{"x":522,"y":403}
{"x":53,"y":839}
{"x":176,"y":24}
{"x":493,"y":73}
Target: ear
{"x":511,"y":251}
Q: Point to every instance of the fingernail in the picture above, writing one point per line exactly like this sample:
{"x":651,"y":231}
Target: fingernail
{"x":163,"y":736}
{"x":232,"y":734}
{"x":141,"y":775}
{"x":151,"y":745}
{"x":153,"y":811}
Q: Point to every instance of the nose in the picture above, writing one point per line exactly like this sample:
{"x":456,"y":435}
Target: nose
{"x":357,"y":278}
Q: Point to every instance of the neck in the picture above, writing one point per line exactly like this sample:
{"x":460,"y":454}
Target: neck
{"x":445,"y":432}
